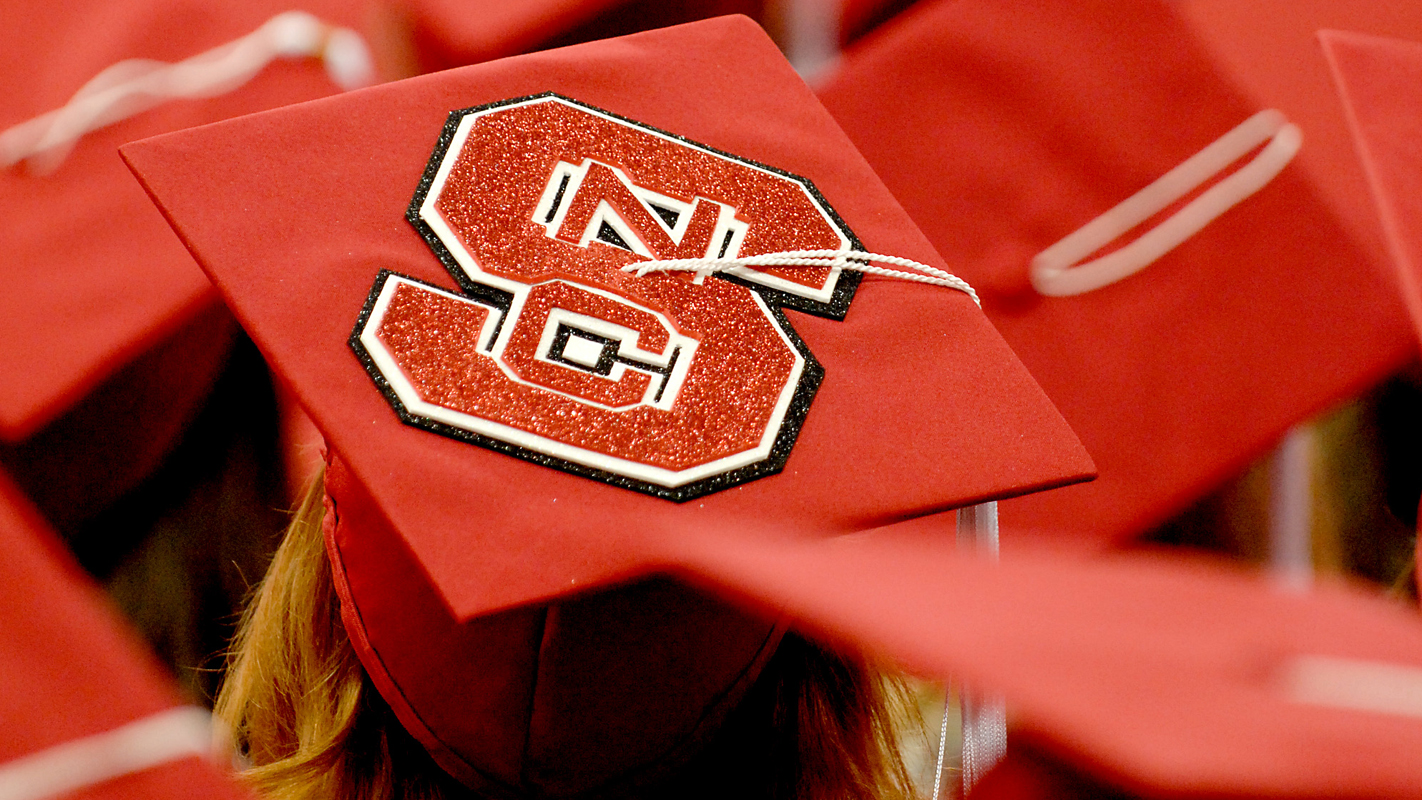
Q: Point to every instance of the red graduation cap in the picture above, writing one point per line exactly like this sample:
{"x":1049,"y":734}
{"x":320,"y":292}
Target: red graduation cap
{"x":1147,"y":673}
{"x":86,"y":711}
{"x":434,"y":267}
{"x":1139,"y":233}
{"x":1378,"y":80}
{"x":101,"y":303}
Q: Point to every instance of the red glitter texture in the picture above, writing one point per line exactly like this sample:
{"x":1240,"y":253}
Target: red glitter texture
{"x":742,"y":363}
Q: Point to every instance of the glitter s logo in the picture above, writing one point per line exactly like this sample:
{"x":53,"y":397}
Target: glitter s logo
{"x":670,"y":384}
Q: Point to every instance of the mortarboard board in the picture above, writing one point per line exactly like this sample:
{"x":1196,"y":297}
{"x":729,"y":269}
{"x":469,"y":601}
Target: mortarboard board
{"x":1377,"y":79}
{"x":111,"y":338}
{"x":1010,"y":126}
{"x":87,"y":713}
{"x":1147,"y":672}
{"x":365,"y":218}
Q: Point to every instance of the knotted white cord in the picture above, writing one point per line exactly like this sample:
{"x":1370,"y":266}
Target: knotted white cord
{"x":832,"y":259}
{"x":136,"y":85}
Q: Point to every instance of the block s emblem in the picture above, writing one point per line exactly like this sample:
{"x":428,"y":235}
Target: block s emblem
{"x":670,"y":384}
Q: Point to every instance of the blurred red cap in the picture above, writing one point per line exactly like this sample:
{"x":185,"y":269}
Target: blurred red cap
{"x":86,"y":710}
{"x":1269,"y":49}
{"x":1380,"y":81}
{"x":102,"y":304}
{"x":1006,"y":126}
{"x":1167,"y":677}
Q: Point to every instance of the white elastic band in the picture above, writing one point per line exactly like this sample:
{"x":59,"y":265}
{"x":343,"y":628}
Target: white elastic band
{"x":167,"y":736}
{"x":984,"y":717}
{"x":1346,"y":683}
{"x":135,"y":85}
{"x":832,"y":259}
{"x":1056,"y":272}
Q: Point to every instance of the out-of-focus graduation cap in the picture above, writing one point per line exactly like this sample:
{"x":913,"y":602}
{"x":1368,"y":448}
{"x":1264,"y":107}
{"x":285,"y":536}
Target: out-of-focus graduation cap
{"x":86,"y":711}
{"x":110,"y":338}
{"x":515,"y":422}
{"x":453,"y":33}
{"x":1380,"y":81}
{"x":1269,"y":49}
{"x":1144,"y":672}
{"x":1182,"y":288}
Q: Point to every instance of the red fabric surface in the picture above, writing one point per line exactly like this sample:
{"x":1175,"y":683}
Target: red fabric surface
{"x":1269,"y":49}
{"x":1011,"y":124}
{"x":63,"y":649}
{"x":1152,"y":674}
{"x":859,"y":18}
{"x":639,"y":675}
{"x":449,"y":33}
{"x":408,"y":641}
{"x":68,"y":667}
{"x":1380,"y":82}
{"x":453,"y":33}
{"x":585,"y":693}
{"x":922,"y":407}
{"x":121,"y":430}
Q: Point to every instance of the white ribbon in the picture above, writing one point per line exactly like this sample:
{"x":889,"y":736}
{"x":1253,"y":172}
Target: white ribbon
{"x":164,"y":737}
{"x":136,"y":85}
{"x":831,"y":259}
{"x":1057,"y":271}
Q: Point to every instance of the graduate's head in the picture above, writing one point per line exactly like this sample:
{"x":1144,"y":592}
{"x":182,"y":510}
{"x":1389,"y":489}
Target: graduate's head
{"x":650,"y":690}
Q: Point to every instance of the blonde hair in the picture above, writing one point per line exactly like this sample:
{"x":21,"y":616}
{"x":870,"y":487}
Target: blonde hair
{"x":300,"y":709}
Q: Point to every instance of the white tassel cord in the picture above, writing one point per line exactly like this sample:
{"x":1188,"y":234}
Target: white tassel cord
{"x":942,"y":743}
{"x":823,"y":259}
{"x":1291,"y":510}
{"x":984,"y":717}
{"x":984,"y":737}
{"x":136,"y":85}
